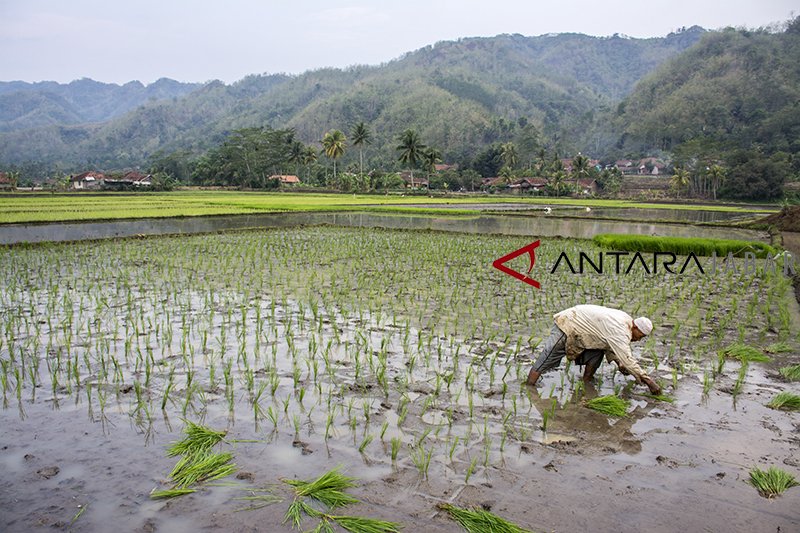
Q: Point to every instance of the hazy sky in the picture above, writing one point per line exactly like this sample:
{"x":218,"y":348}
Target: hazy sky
{"x":200,"y":40}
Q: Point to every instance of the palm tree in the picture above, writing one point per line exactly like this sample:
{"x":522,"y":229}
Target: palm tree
{"x":580,"y":167}
{"x":430,"y":157}
{"x":717,"y":175}
{"x":680,"y":180}
{"x":296,"y":154}
{"x":361,"y":136}
{"x":333,"y":144}
{"x":309,"y":156}
{"x":557,"y":179}
{"x":410,"y":149}
{"x":508,"y":152}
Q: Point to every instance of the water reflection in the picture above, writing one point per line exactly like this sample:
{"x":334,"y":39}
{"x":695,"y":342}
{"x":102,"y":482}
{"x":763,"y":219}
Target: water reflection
{"x":538,"y":226}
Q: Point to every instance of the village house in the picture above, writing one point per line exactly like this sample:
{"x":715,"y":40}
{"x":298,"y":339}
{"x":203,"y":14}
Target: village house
{"x":6,"y":183}
{"x":286,"y":179}
{"x":87,"y":180}
{"x":588,"y":187}
{"x":419,"y":182}
{"x":138,"y":179}
{"x":129,"y":181}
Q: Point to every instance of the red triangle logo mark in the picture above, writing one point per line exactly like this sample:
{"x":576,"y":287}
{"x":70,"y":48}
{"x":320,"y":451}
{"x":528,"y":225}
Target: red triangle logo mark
{"x":499,"y":264}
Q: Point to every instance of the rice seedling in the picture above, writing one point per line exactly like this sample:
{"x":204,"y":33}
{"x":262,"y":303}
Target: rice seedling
{"x":480,"y":521}
{"x":790,"y":373}
{"x":421,"y":458}
{"x":200,"y":467}
{"x":610,"y":405}
{"x":772,"y":481}
{"x":170,"y":493}
{"x":364,"y":443}
{"x":470,"y":469}
{"x":745,"y":353}
{"x":785,"y":401}
{"x":199,"y":439}
{"x":328,"y":489}
{"x":778,"y":347}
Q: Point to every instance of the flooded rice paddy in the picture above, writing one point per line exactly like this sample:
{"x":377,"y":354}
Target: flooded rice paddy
{"x":401,"y":355}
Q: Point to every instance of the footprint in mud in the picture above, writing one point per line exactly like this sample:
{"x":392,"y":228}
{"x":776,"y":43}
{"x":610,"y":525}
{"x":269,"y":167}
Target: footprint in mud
{"x":48,"y":472}
{"x":305,"y":448}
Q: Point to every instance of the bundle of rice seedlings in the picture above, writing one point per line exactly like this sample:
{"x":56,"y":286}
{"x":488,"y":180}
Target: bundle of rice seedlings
{"x":785,"y":401}
{"x":200,"y":467}
{"x":480,"y":521}
{"x":610,"y":405}
{"x":362,"y":524}
{"x":198,"y":439}
{"x":169,"y":493}
{"x":328,"y":489}
{"x":745,"y":353}
{"x":778,"y":347}
{"x":771,"y":482}
{"x":791,"y":373}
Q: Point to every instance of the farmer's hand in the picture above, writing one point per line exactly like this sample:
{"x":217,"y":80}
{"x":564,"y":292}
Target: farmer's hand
{"x":652,"y":385}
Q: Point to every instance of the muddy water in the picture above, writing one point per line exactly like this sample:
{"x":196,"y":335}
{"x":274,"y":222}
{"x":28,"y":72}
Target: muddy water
{"x":539,"y":226}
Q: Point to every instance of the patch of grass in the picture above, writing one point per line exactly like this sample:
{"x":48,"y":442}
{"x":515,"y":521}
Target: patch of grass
{"x":610,"y":405}
{"x":745,"y":353}
{"x":682,"y":245}
{"x":791,"y":373}
{"x":480,"y":521}
{"x":771,"y":482}
{"x":785,"y":401}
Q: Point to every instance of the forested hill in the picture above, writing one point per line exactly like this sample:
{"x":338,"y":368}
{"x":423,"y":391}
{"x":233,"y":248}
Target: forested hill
{"x":734,"y":98}
{"x":458,"y":95}
{"x":30,"y":105}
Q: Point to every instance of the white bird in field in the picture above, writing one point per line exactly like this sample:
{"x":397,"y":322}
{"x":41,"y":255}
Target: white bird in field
{"x":547,"y":210}
{"x":588,"y":209}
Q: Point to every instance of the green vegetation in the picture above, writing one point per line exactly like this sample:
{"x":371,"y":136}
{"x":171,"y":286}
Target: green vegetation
{"x":328,"y":491}
{"x":730,"y":99}
{"x":328,"y":333}
{"x":745,"y":353}
{"x":198,"y":464}
{"x":199,"y":439}
{"x":779,"y":347}
{"x":785,"y":401}
{"x":771,"y":482}
{"x":610,"y":405}
{"x":112,"y":206}
{"x":683,"y":245}
{"x":460,"y":96}
{"x":791,"y":373}
{"x":480,"y":521}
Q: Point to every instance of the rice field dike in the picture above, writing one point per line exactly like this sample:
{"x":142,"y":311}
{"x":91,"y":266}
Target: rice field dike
{"x":221,"y":381}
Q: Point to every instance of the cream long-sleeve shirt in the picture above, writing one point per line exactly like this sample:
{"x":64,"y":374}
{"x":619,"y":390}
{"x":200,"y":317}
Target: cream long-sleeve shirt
{"x":599,"y":328}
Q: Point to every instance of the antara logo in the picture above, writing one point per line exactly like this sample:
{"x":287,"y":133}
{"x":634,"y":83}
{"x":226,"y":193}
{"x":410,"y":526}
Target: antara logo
{"x":499,"y":264}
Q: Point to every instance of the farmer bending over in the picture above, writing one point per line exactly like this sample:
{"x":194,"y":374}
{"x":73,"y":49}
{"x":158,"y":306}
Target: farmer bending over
{"x":584,"y":333}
